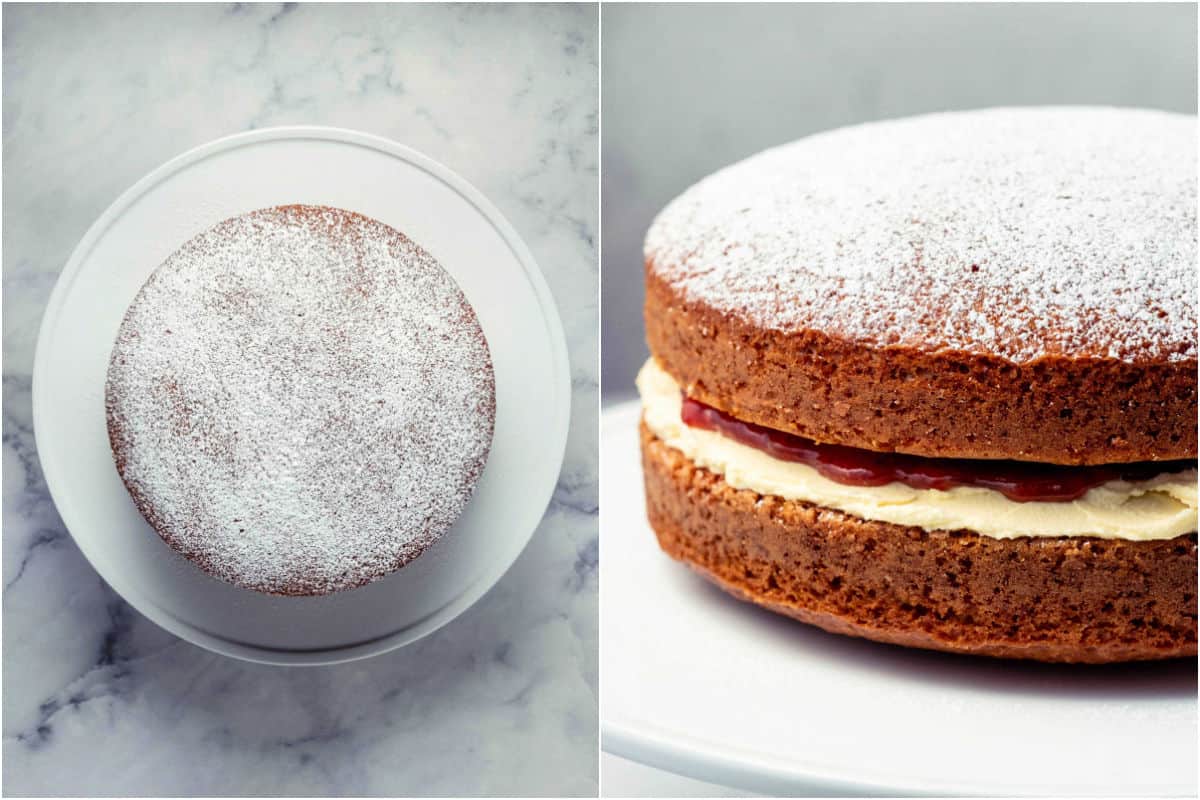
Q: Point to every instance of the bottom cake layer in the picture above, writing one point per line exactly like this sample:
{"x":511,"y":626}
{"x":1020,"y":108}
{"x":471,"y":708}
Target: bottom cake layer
{"x":1065,"y":599}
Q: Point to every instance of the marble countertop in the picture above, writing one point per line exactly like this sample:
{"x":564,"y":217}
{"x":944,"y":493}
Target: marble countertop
{"x":100,"y":701}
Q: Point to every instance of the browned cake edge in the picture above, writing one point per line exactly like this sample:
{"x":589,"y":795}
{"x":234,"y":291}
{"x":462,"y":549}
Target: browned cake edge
{"x":1056,"y":599}
{"x":939,"y":404}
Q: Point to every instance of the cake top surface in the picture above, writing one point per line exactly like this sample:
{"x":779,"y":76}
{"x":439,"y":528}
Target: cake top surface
{"x":1019,"y":233}
{"x":300,"y":400}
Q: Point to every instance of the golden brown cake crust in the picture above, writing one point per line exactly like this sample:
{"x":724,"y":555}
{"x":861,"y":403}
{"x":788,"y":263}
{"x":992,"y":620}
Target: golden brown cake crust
{"x":906,"y":399}
{"x":1002,"y":283}
{"x":1069,"y":600}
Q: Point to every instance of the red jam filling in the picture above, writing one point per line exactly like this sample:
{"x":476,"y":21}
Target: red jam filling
{"x":1017,"y":480}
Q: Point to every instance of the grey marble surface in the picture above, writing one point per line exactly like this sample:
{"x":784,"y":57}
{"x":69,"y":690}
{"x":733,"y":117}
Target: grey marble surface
{"x":97,"y":699}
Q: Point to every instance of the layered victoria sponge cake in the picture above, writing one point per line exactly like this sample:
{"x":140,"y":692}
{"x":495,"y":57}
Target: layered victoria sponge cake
{"x":932,"y":382}
{"x":300,"y":400}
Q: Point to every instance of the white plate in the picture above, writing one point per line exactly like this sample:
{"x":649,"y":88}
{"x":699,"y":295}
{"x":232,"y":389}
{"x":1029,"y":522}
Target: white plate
{"x":324,"y":166}
{"x":701,"y":684}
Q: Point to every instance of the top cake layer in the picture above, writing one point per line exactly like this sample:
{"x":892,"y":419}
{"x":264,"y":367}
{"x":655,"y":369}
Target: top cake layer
{"x":1006,"y":284}
{"x":300,"y":400}
{"x":1012,"y":233}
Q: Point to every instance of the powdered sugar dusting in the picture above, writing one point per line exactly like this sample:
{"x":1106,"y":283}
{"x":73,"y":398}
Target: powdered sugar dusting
{"x":1021,"y":233}
{"x":301,"y":400}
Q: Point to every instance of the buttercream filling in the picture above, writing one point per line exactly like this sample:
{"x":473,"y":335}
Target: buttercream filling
{"x":1161,"y":506}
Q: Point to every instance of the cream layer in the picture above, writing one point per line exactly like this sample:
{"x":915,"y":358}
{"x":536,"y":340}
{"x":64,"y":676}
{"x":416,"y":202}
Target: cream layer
{"x":1162,"y":507}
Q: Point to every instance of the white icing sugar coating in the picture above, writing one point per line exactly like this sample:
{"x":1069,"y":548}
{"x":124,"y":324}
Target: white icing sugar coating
{"x":1014,"y":232}
{"x":300,"y":400}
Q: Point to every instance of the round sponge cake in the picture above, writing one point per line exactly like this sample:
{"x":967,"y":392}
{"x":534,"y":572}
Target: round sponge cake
{"x":300,"y":400}
{"x":985,"y":294}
